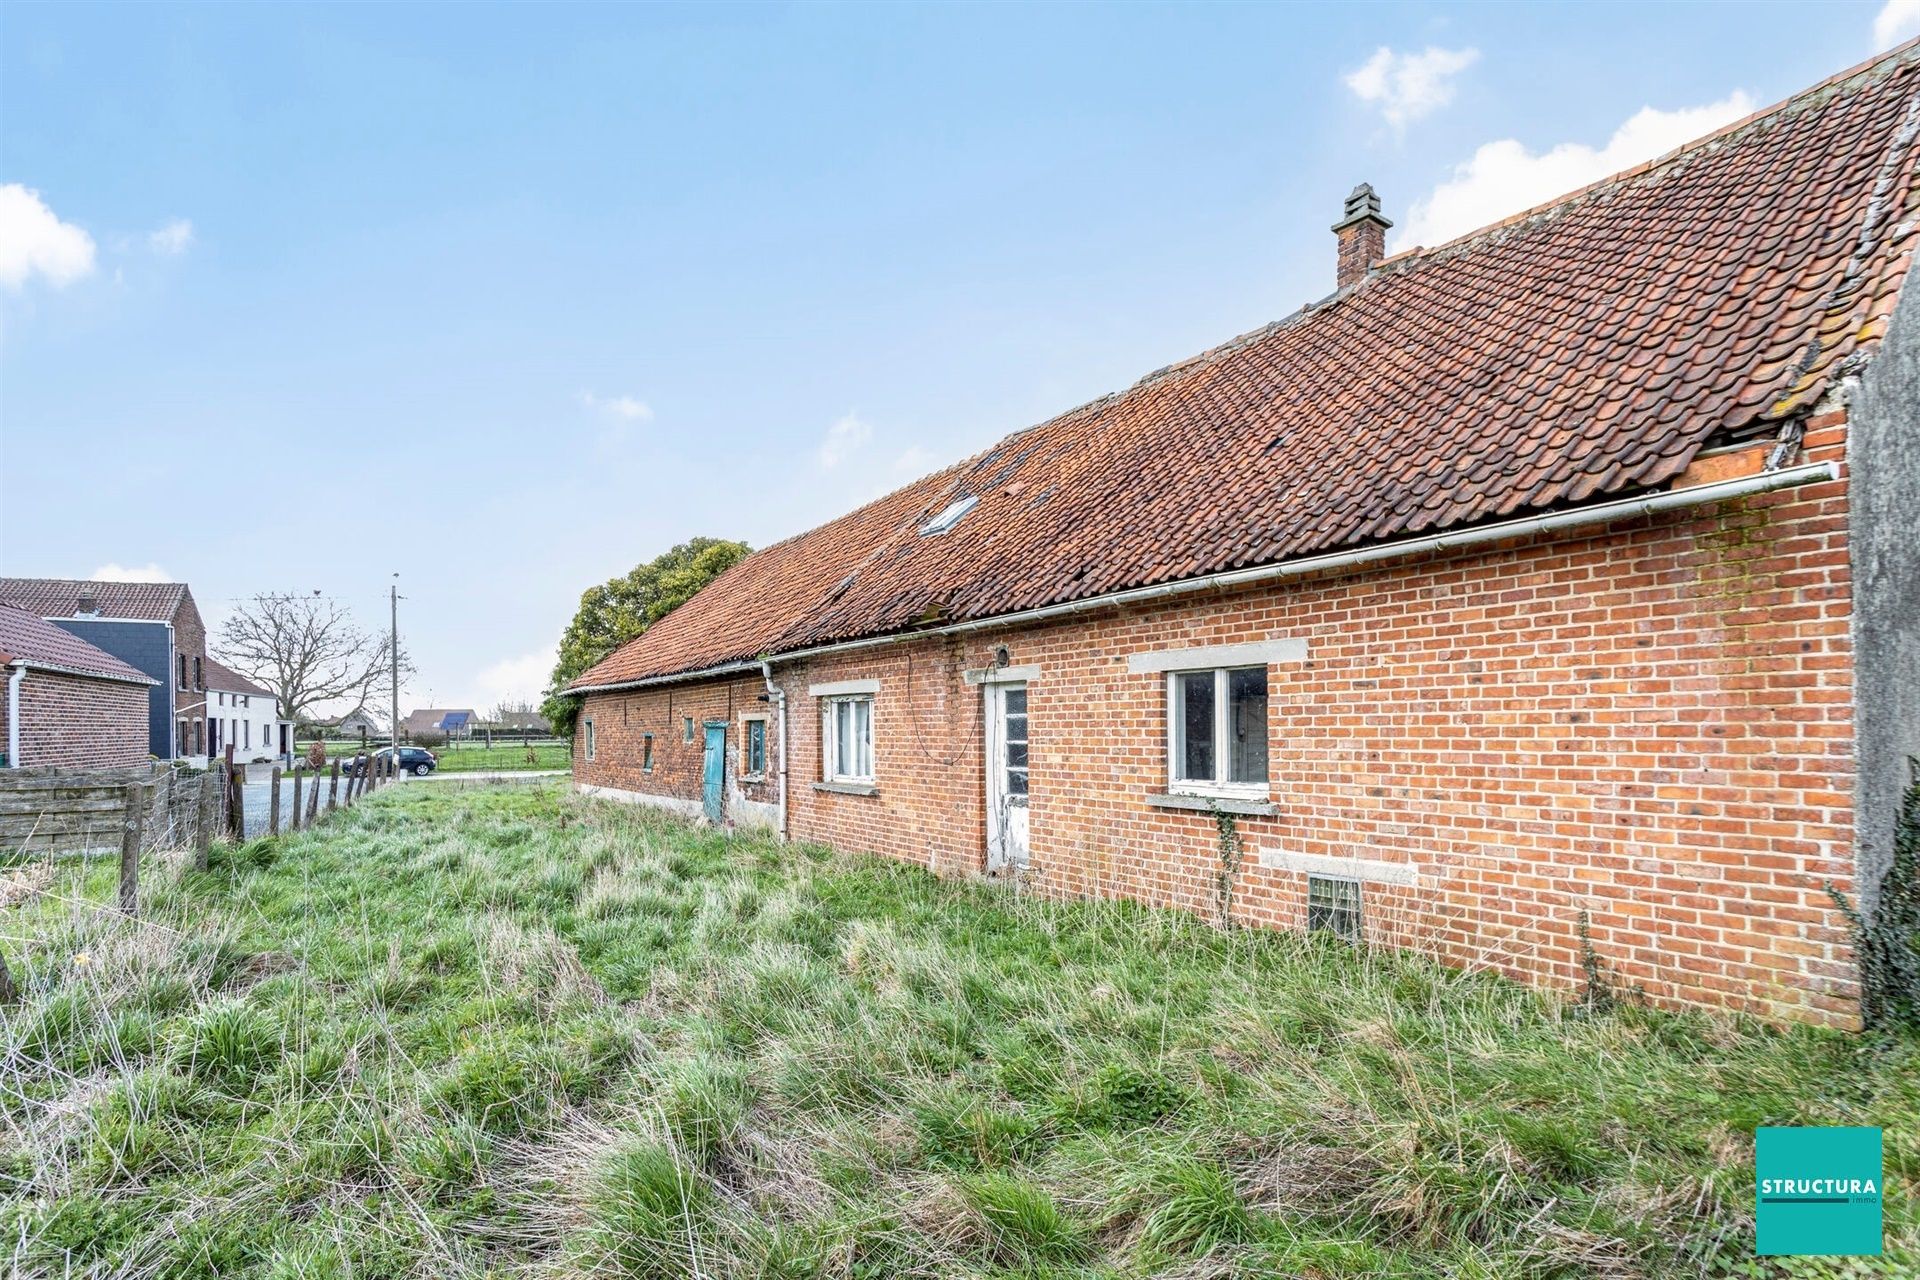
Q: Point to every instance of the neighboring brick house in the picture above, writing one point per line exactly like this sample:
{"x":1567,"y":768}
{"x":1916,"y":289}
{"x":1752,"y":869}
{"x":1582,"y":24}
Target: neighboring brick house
{"x":154,"y":627}
{"x":63,"y":701}
{"x":1561,"y":578}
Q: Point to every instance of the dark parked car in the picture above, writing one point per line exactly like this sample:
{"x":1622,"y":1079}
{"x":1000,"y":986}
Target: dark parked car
{"x":417,"y":761}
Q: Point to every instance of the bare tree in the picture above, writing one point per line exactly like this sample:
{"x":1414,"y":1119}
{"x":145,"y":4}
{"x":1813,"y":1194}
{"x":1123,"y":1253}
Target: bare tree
{"x":308,"y":651}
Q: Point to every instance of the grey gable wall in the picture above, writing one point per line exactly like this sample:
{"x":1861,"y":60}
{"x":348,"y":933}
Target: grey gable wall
{"x":1883,"y":457}
{"x":144,"y":646}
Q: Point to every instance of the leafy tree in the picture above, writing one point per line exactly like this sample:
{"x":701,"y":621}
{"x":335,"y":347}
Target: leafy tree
{"x":615,"y":612}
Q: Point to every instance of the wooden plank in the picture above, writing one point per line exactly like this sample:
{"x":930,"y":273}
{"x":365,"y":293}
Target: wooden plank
{"x":273,"y":805}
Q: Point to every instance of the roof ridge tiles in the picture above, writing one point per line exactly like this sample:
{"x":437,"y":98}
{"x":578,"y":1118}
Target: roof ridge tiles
{"x":1408,"y":258}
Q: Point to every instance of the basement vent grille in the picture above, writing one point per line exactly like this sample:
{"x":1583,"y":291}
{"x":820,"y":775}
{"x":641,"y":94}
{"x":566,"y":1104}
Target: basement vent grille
{"x":949,"y":517}
{"x":1333,"y":906}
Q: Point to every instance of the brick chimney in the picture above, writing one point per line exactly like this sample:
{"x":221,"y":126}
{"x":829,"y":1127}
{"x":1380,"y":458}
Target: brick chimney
{"x":1362,"y":233}
{"x":86,"y":605}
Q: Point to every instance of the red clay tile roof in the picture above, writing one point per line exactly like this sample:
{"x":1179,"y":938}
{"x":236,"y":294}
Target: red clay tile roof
{"x":225,"y":679}
{"x":1584,"y":350}
{"x":24,"y":636}
{"x":60,"y":597}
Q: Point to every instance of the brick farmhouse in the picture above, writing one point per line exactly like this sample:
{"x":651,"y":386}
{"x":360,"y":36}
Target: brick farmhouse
{"x":1562,"y":578}
{"x":65,"y":702}
{"x":154,"y":627}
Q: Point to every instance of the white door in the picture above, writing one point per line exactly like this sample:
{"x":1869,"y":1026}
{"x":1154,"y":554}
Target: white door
{"x":1006,"y":777}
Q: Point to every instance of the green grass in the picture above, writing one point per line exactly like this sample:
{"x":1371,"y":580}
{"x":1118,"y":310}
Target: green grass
{"x":475,"y":756}
{"x":505,"y":1031}
{"x":462,"y":757}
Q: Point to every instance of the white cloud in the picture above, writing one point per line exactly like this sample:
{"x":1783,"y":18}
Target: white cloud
{"x":844,"y":439}
{"x":126,"y":573}
{"x":173,"y":239}
{"x":33,"y":241}
{"x":1407,"y":86}
{"x":620,"y":408}
{"x":1504,"y":178}
{"x":1898,"y":20}
{"x":914,"y":463}
{"x":518,"y":679}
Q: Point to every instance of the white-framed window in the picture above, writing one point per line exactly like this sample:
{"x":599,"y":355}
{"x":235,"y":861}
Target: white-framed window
{"x":846,"y":738}
{"x":1217,"y":731}
{"x":589,"y":727}
{"x":753,"y":746}
{"x":646,"y":753}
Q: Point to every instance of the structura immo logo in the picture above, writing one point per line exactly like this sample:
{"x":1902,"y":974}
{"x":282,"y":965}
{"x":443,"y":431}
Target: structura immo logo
{"x":1817,"y":1190}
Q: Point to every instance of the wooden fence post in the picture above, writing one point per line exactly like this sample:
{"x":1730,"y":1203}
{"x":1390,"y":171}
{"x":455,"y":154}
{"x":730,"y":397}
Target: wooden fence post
{"x":210,"y":806}
{"x":202,"y":824}
{"x":333,"y":788}
{"x":293,"y":819}
{"x":313,"y":802}
{"x":132,"y":831}
{"x":273,"y":805}
{"x":236,"y":804}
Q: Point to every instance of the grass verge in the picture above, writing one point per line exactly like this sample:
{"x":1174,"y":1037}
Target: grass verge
{"x":487,"y":1032}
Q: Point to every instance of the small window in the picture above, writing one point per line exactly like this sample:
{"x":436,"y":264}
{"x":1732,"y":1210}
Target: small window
{"x":754,"y":747}
{"x":949,"y":516}
{"x":183,"y":671}
{"x":686,"y":728}
{"x":846,"y":739}
{"x":1217,"y":722}
{"x":1333,"y":906}
{"x":589,"y":725}
{"x":646,"y":753}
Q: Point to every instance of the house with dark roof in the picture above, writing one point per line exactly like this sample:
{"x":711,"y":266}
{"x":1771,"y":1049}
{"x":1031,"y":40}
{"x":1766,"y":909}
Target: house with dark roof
{"x":66,"y":702}
{"x":154,"y":627}
{"x":356,"y":723}
{"x":454,"y":722}
{"x":1546,"y":597}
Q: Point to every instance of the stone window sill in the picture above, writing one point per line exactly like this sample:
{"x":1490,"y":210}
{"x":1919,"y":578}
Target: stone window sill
{"x":1207,"y":804}
{"x":848,"y":788}
{"x":753,"y":777}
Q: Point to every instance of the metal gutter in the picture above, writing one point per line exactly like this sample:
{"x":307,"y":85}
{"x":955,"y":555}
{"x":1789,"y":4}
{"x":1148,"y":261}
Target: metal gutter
{"x":1573,"y":518}
{"x":13,"y":714}
{"x":724,"y":669}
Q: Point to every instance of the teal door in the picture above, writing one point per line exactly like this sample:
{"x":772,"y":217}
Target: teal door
{"x":716,"y":771}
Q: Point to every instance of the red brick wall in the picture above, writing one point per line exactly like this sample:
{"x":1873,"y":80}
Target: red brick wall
{"x":621,"y":720}
{"x":190,"y":696}
{"x":75,"y":721}
{"x":1650,"y":723}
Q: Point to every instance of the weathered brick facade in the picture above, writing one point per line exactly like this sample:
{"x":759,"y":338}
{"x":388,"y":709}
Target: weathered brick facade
{"x":77,"y":721}
{"x":1648,"y":723}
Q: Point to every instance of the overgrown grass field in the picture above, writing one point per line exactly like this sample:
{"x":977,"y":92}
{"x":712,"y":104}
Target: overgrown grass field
{"x":463,"y":757}
{"x":508,"y":1032}
{"x":477,"y":756}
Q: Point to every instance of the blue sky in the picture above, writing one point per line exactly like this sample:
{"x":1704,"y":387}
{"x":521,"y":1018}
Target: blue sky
{"x":548,"y":289}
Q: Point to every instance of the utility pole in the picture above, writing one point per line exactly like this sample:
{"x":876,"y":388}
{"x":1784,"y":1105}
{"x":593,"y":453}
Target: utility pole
{"x":393,"y":652}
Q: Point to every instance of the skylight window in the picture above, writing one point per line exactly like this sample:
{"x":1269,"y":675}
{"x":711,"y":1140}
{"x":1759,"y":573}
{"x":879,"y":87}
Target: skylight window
{"x":949,"y":517}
